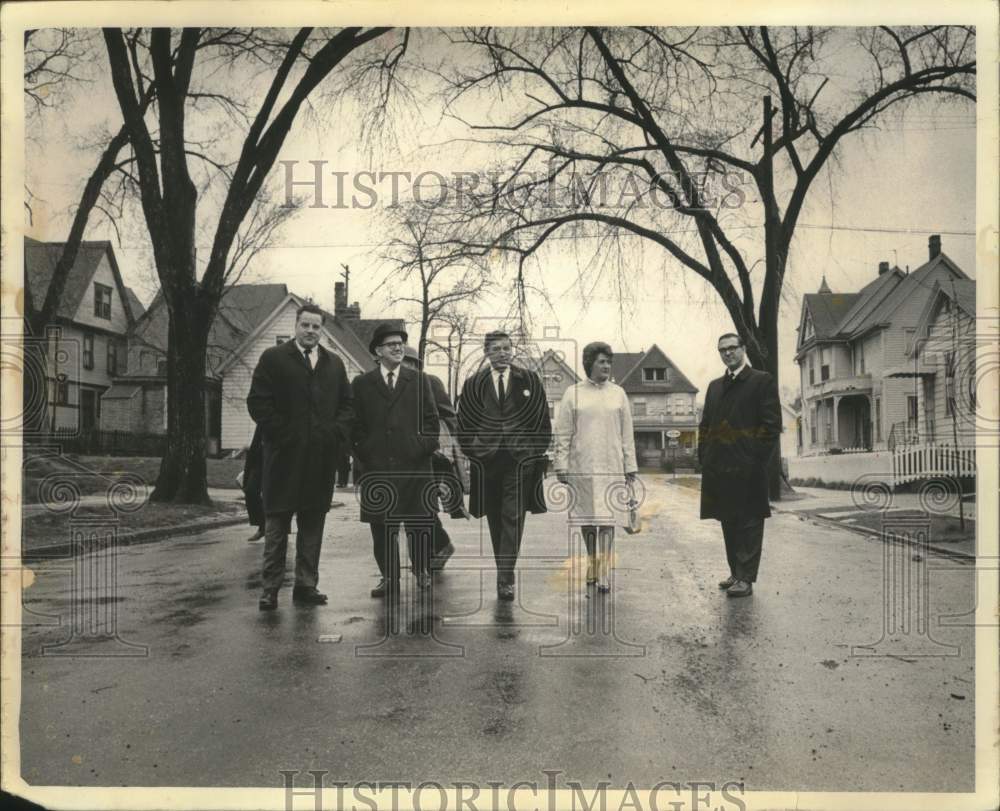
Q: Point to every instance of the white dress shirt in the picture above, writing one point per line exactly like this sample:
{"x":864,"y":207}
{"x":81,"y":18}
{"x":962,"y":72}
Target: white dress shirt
{"x":395,"y":375}
{"x":313,"y":355}
{"x":495,"y":374}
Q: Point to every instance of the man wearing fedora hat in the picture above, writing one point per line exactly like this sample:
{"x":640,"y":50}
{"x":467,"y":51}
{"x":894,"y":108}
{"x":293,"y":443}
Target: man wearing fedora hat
{"x":395,"y":434}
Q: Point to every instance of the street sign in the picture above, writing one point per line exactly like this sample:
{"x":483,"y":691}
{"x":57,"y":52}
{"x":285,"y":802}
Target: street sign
{"x":673,"y":433}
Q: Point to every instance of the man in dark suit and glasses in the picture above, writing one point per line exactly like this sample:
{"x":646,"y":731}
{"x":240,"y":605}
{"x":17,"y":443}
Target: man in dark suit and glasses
{"x":301,"y":401}
{"x":504,"y":429}
{"x":395,"y":434}
{"x":738,"y":433}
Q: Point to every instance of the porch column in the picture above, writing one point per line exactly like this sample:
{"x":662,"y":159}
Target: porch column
{"x":836,"y":420}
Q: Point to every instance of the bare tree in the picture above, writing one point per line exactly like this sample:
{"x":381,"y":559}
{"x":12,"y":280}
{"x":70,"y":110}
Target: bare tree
{"x":170,"y":200}
{"x":686,"y":139}
{"x":443,"y":282}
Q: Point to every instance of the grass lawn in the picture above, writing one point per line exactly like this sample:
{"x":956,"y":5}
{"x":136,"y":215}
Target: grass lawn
{"x":93,"y":474}
{"x":50,"y":528}
{"x":944,"y":528}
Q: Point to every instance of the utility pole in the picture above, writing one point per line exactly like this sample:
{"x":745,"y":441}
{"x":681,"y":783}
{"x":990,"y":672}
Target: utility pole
{"x":346,"y":276}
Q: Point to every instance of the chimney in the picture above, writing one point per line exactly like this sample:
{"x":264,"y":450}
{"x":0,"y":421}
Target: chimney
{"x":883,"y":267}
{"x":339,"y":298}
{"x":934,"y":245}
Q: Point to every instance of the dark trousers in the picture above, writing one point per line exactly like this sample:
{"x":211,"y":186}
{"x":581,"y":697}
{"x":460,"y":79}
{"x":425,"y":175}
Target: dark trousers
{"x":744,"y":539}
{"x":307,"y":546}
{"x":255,"y":508}
{"x":505,"y":511}
{"x":386,"y":548}
{"x":439,"y":536}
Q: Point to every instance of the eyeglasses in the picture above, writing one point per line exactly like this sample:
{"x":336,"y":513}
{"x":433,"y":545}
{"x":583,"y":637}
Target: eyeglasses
{"x":726,"y":349}
{"x":393,"y":344}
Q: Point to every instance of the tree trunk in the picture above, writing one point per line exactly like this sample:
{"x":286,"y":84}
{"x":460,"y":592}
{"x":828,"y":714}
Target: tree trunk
{"x":183,"y":472}
{"x":34,"y":384}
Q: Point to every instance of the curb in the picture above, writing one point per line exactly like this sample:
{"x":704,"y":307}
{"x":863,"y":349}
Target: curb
{"x":135,"y":538}
{"x":874,"y":533}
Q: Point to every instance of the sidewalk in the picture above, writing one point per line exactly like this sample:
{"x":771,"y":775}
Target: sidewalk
{"x":845,"y":509}
{"x":100,"y":499}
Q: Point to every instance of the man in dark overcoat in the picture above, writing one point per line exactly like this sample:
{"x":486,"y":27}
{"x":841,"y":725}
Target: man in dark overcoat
{"x":394,"y":436}
{"x":300,"y":399}
{"x":739,"y":431}
{"x":504,"y":429}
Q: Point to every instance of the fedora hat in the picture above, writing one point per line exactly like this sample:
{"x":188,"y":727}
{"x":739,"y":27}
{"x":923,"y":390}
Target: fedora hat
{"x":382,"y":331}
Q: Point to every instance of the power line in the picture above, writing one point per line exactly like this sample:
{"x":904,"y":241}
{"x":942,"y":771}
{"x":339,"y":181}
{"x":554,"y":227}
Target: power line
{"x":810,"y":226}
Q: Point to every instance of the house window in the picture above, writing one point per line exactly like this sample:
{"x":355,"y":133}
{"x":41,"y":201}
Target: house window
{"x":102,"y":301}
{"x":112,"y":357}
{"x":911,"y":413}
{"x":88,"y":351}
{"x":654,"y":375}
{"x":812,"y":426}
{"x":824,"y":364}
{"x":812,"y":370}
{"x":638,"y":408}
{"x":62,"y":392}
{"x":861,"y":358}
{"x":281,"y":339}
{"x":122,"y":358}
{"x":908,"y":335}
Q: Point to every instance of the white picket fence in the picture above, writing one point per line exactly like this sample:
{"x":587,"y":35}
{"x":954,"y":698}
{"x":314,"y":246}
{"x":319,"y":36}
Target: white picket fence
{"x":914,"y":462}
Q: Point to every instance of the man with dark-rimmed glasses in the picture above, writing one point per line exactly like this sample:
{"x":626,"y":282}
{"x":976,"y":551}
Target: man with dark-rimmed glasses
{"x":738,"y":432}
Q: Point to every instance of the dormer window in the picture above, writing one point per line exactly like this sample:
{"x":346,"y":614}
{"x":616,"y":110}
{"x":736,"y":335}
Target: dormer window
{"x":102,"y":301}
{"x":654,"y":375}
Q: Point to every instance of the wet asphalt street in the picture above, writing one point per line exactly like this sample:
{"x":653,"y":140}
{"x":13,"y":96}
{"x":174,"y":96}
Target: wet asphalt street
{"x":799,"y":687}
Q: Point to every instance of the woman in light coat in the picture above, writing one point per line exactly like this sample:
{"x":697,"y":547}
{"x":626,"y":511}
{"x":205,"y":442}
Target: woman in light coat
{"x":595,"y":457}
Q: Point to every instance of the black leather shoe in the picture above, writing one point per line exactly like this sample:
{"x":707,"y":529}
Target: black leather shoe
{"x":506,"y":591}
{"x":268,"y":601}
{"x":384,"y":587}
{"x":423,"y":581}
{"x":729,"y":581}
{"x":741,"y":588}
{"x":441,"y":558}
{"x":306,"y":596}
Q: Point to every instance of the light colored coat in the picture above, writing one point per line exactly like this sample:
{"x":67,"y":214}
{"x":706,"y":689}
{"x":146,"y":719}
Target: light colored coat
{"x":595,"y":448}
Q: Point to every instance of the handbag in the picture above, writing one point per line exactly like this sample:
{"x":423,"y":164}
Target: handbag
{"x":633,"y":525}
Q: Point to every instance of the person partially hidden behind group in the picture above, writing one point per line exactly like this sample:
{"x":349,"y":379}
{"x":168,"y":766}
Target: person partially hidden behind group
{"x":594,"y":456}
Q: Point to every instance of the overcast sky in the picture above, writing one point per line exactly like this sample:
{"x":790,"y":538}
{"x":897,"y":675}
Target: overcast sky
{"x":887,"y":193}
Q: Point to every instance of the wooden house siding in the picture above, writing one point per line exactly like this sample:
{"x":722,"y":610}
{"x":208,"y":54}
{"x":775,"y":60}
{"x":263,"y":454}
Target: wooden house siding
{"x":237,"y":427}
{"x":85,"y":312}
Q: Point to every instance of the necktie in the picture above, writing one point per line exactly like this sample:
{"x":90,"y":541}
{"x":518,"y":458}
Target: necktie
{"x":500,"y":388}
{"x":391,"y":376}
{"x":309,"y":358}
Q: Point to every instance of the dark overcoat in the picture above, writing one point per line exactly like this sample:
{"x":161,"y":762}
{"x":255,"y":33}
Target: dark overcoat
{"x":522,"y":425}
{"x":739,"y":429}
{"x":304,"y":415}
{"x":395,"y":434}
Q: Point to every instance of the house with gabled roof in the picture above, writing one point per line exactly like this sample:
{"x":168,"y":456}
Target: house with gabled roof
{"x":664,"y":416}
{"x":87,"y":338}
{"x":854,"y":351}
{"x":942,"y":368}
{"x":250,"y":318}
